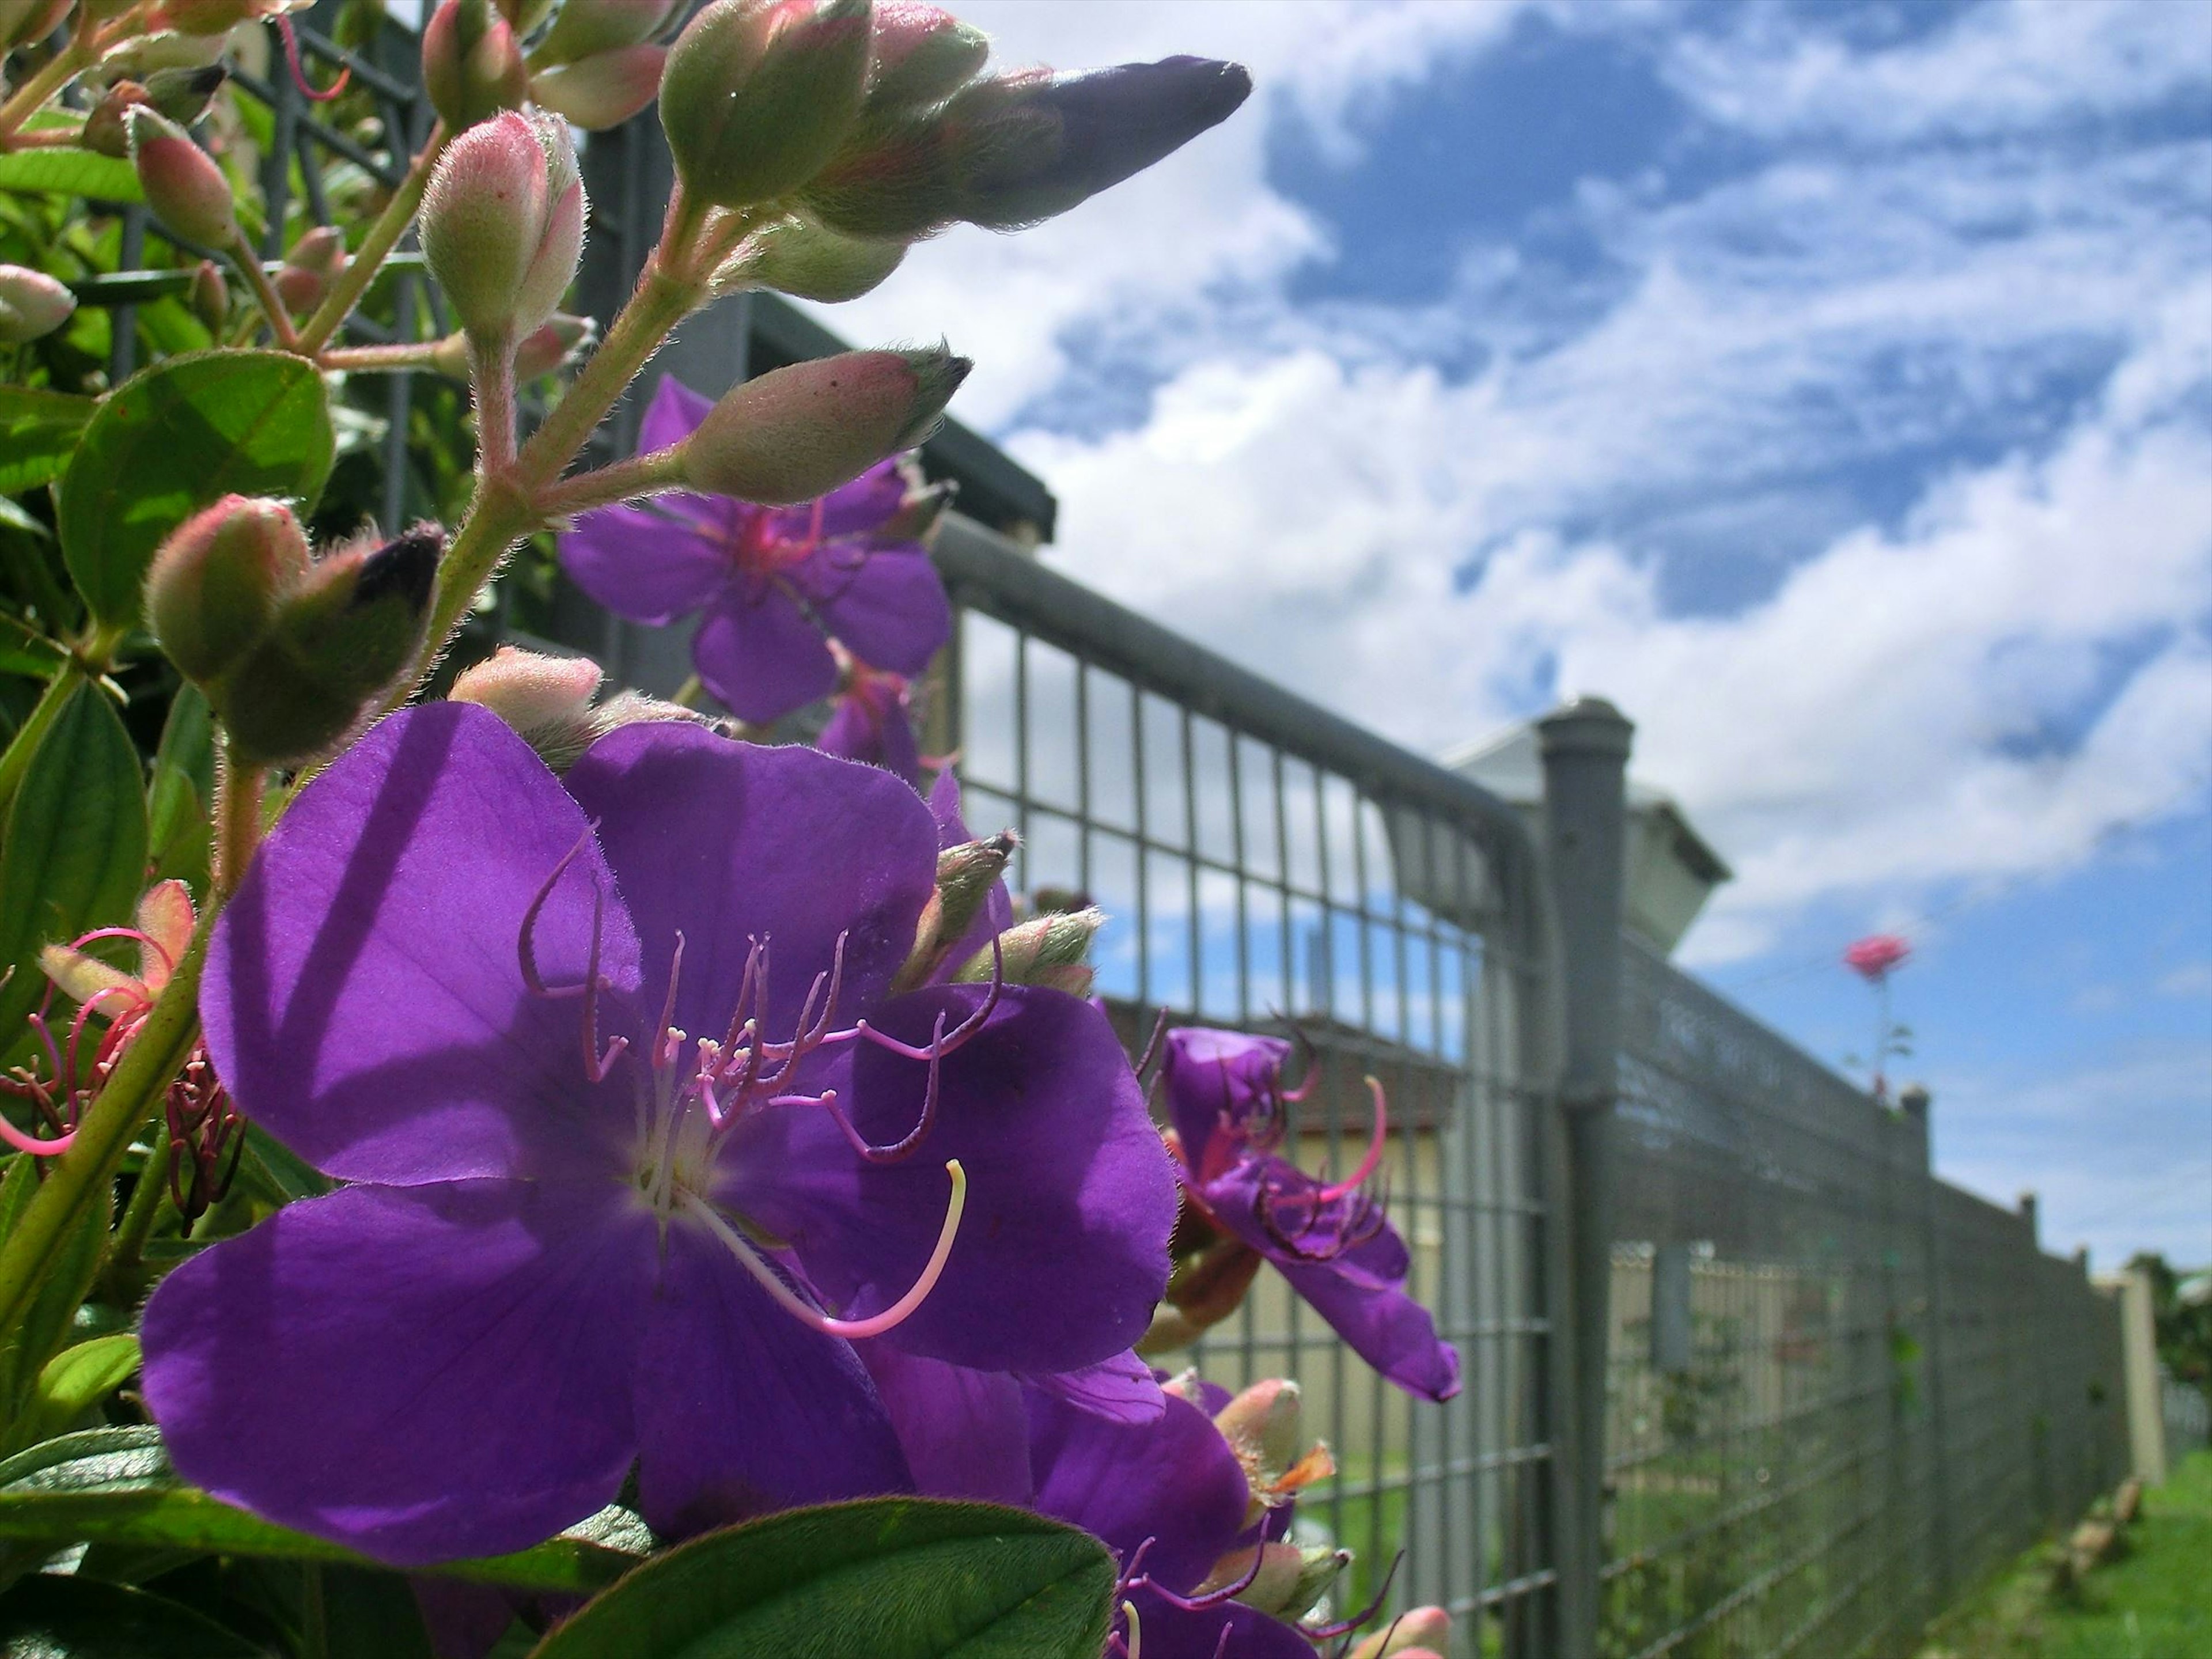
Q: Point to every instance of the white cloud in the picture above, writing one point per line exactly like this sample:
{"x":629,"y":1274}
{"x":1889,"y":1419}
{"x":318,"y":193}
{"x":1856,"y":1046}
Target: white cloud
{"x":2192,"y":979}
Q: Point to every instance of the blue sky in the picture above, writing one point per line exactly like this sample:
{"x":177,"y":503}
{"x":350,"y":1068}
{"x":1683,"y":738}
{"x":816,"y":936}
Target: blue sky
{"x":1831,"y":385}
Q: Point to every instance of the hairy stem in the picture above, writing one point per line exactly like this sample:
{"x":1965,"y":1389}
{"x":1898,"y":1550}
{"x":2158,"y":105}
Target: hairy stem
{"x":375,"y":247}
{"x":78,"y":1177}
{"x":380,"y":359}
{"x":620,"y":480}
{"x":125,"y":1250}
{"x":237,"y":817}
{"x":28,"y":99}
{"x":265,"y":293}
{"x":491,"y":383}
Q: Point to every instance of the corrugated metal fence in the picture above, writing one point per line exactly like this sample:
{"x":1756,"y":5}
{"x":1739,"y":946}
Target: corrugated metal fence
{"x":1826,"y":1389}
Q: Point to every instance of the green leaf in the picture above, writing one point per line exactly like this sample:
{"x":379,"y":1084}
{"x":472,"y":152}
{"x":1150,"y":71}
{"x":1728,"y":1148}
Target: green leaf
{"x":26,"y":651}
{"x":370,"y":1614}
{"x":50,"y":1616}
{"x":175,"y":439}
{"x":72,"y":172}
{"x":80,"y":1377}
{"x":894,"y":1578}
{"x":38,"y":430}
{"x":115,"y":1487}
{"x":52,"y":1312}
{"x":182,"y":789}
{"x":75,"y":856}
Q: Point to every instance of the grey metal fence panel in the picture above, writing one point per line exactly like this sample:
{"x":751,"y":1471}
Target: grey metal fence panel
{"x":1841,"y":1388}
{"x":1269,"y":866}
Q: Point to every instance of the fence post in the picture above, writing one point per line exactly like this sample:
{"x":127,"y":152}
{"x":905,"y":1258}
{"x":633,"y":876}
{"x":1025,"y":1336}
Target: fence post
{"x":1585,"y":753}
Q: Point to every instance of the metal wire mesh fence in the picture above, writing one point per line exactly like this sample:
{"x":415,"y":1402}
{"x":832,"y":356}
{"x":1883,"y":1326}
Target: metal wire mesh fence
{"x":1839,"y":1387}
{"x":1836,"y":1388}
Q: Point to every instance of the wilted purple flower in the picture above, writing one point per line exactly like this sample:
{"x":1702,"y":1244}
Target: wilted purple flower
{"x":1226,"y":1102}
{"x":644,"y":1145}
{"x":774,"y":583}
{"x":870,"y":723}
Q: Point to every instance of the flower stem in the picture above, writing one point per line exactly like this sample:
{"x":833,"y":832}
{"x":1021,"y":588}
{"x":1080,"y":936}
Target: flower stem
{"x":686,"y":696}
{"x":29,"y":98}
{"x":491,"y":384}
{"x":79,"y":1176}
{"x":375,"y":359}
{"x":237,"y":817}
{"x":375,"y":247}
{"x":265,"y":294}
{"x":129,"y":1244}
{"x":620,"y":480}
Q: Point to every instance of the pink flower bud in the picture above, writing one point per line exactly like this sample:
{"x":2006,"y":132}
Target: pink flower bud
{"x":1266,"y":1424}
{"x":103,"y":126}
{"x":919,"y":55}
{"x":800,"y":432}
{"x":552,"y":343}
{"x":31,"y":304}
{"x":502,"y":224}
{"x":603,"y":91}
{"x":528,"y":690}
{"x":585,"y":28}
{"x":315,"y":262}
{"x":471,"y":66}
{"x":759,"y":93}
{"x":183,"y":186}
{"x":209,"y":295}
{"x":214,"y":586}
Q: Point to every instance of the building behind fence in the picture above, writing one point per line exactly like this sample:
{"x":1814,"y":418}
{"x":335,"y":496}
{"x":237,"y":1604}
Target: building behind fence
{"x":1742,"y":1378}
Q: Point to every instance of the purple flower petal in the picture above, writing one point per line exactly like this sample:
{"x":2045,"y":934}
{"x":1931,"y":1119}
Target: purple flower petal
{"x":673,"y":415}
{"x":869,"y":724}
{"x":418,"y":1372}
{"x":1174,"y":1632}
{"x":761,"y":656}
{"x":964,"y":1432}
{"x":1384,"y":1326}
{"x":1063,"y":1248}
{"x":727,"y":842}
{"x":852,"y":509}
{"x":742,"y":1410}
{"x":644,"y":564}
{"x":891,"y":611}
{"x":1209,"y":1075}
{"x":364,"y":998}
{"x":1174,"y":1482}
{"x":1121,"y":1389}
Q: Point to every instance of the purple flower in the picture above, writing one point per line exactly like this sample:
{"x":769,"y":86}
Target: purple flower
{"x":870,"y":723}
{"x":1226,"y":1102}
{"x":774,"y":583}
{"x":615,"y":1063}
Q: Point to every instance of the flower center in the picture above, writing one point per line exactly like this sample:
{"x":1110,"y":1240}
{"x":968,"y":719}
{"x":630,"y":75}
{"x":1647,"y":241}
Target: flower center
{"x":692,"y":1093}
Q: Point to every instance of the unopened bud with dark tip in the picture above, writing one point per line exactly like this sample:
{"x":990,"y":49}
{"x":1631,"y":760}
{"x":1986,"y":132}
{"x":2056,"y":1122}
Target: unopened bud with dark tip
{"x":585,"y":28}
{"x":502,"y":224}
{"x":759,"y":93}
{"x":472,"y":66}
{"x":210,"y":296}
{"x":31,"y":304}
{"x":603,"y":91}
{"x":800,"y":432}
{"x":1048,"y":950}
{"x":337,"y":641}
{"x":921,"y":55}
{"x":1421,"y":1634}
{"x":1030,"y":146}
{"x":215,"y":584}
{"x":798,"y":256}
{"x":966,"y":873}
{"x":183,"y":186}
{"x":184,"y":95}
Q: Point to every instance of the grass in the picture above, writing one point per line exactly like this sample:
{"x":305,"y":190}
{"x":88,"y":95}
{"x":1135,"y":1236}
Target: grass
{"x":2153,"y":1602}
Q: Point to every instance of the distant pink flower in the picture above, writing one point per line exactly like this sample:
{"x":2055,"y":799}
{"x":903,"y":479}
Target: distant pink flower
{"x":1873,"y":958}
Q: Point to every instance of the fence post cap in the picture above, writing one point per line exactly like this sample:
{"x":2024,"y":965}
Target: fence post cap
{"x":1585,"y":726}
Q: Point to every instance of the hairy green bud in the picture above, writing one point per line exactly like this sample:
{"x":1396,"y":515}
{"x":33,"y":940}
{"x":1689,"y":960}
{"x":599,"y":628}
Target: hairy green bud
{"x":214,"y":586}
{"x":183,"y":186}
{"x":759,"y":93}
{"x":798,"y":256}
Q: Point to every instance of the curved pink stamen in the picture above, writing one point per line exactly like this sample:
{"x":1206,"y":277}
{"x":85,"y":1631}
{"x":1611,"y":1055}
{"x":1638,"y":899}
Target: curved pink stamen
{"x":31,"y":1144}
{"x":300,"y":70}
{"x":1358,"y":1178}
{"x":789,"y":1301}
